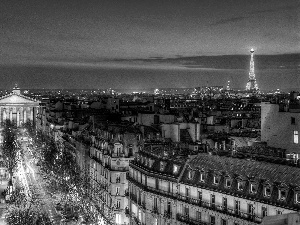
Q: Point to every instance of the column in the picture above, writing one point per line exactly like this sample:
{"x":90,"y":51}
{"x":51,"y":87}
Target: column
{"x":24,"y":115}
{"x":21,"y":115}
{"x":31,"y":114}
{"x":18,"y":117}
{"x":4,"y":115}
{"x":10,"y":114}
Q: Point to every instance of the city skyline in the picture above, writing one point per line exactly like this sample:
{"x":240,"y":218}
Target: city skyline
{"x":108,"y":43}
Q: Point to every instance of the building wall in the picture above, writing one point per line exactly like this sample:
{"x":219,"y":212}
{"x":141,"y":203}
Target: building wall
{"x":277,"y":130}
{"x":172,"y":131}
{"x":142,"y":203}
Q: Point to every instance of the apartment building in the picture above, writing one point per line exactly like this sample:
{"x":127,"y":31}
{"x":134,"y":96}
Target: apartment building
{"x":171,"y":186}
{"x":110,"y":154}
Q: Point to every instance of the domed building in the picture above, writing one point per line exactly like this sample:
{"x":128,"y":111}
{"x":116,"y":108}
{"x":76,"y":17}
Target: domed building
{"x":18,"y":108}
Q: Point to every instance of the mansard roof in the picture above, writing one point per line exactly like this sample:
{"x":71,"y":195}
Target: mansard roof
{"x":246,"y":168}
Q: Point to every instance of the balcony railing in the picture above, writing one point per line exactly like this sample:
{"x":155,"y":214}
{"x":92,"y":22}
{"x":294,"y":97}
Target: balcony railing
{"x":188,"y":220}
{"x":199,"y":202}
{"x":168,"y":214}
{"x":155,"y":210}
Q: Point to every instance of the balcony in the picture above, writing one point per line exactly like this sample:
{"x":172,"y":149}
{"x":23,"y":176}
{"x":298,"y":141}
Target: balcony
{"x":198,"y":202}
{"x":168,"y":215}
{"x":96,"y":159}
{"x":155,"y":211}
{"x":188,"y":220}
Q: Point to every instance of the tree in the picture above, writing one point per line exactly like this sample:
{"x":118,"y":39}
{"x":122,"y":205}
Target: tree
{"x":10,"y":147}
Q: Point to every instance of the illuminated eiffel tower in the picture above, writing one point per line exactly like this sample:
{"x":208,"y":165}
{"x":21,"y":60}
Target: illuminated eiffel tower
{"x":251,"y":84}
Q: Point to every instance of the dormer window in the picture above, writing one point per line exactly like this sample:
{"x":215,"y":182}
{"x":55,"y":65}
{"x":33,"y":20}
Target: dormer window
{"x":150,"y":162}
{"x":241,"y":185}
{"x":216,"y":179}
{"x":228,"y":182}
{"x":202,"y":176}
{"x":162,"y":166}
{"x":282,"y":193}
{"x":267,"y":191}
{"x":190,"y":174}
{"x":253,"y":188}
{"x":297,"y":197}
{"x":175,"y":169}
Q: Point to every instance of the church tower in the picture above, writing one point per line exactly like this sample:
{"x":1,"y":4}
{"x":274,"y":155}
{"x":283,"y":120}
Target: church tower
{"x":251,"y":84}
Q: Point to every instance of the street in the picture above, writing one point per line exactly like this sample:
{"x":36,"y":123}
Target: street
{"x":36,"y":183}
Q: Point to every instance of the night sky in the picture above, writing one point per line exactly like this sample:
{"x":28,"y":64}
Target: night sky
{"x":102,"y":42}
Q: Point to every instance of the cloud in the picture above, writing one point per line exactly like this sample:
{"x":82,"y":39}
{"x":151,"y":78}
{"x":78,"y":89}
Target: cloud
{"x":256,"y":12}
{"x":230,"y":20}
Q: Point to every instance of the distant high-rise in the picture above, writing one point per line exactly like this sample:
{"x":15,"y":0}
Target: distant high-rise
{"x":251,"y":84}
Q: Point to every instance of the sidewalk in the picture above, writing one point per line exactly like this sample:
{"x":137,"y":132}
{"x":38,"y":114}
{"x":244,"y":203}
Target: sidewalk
{"x":3,"y":186}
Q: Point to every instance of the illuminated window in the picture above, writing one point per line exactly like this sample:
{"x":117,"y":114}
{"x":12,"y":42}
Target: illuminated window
{"x":228,"y":182}
{"x":175,"y":169}
{"x":267,"y":191}
{"x":202,"y":176}
{"x":282,"y":194}
{"x":296,"y":137}
{"x":118,"y":219}
{"x":253,"y":188}
{"x":118,"y":205}
{"x":240,"y":185}
{"x":162,"y":166}
{"x":216,"y":180}
{"x":190,"y":174}
{"x":264,"y":211}
{"x":297,"y":198}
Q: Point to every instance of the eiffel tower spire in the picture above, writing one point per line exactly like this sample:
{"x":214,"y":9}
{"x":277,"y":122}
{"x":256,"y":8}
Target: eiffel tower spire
{"x":251,"y":84}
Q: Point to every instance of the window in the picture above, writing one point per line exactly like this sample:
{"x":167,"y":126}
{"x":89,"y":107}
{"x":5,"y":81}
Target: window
{"x":223,"y":222}
{"x":216,"y":179}
{"x":175,"y":169}
{"x":253,"y":188}
{"x":267,"y":191}
{"x":282,"y":194}
{"x":297,"y":197}
{"x":237,"y":207}
{"x":278,"y":212}
{"x":240,"y":185}
{"x":202,"y":177}
{"x":117,"y":190}
{"x":212,"y":220}
{"x":228,"y":182}
{"x":118,"y":179}
{"x":224,"y":203}
{"x":155,"y":203}
{"x":213,"y":200}
{"x":293,"y":120}
{"x":162,"y":166}
{"x":118,"y":205}
{"x":118,"y":218}
{"x":296,"y":137}
{"x":198,"y":215}
{"x":151,"y":161}
{"x":186,"y":211}
{"x":190,"y":174}
{"x":264,"y":211}
{"x":200,"y":195}
{"x":250,"y":209}
{"x":187,"y":192}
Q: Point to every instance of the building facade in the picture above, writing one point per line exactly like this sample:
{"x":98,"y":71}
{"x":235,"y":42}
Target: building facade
{"x":18,"y":108}
{"x":170,"y":187}
{"x":110,"y":154}
{"x":280,"y":127}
